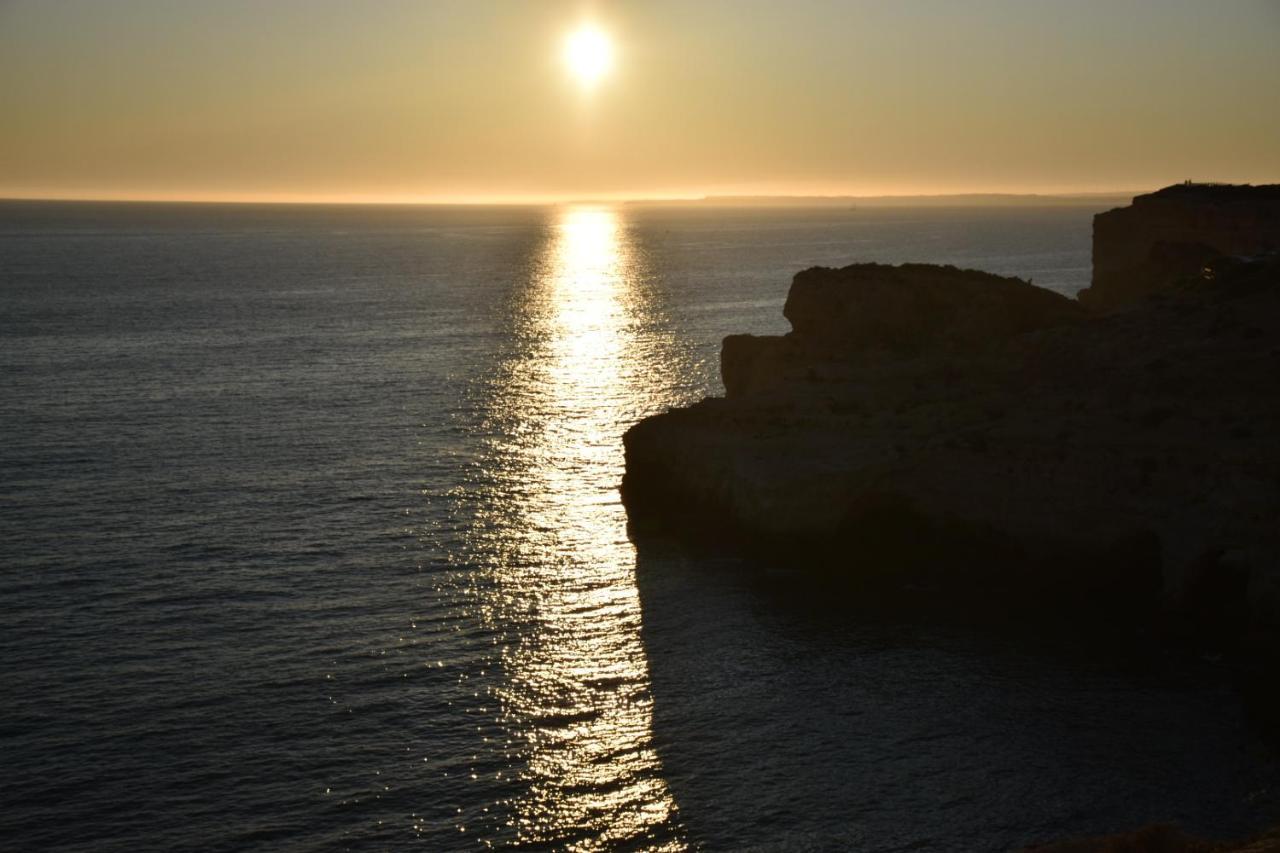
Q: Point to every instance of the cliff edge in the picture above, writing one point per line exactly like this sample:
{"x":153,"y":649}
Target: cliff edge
{"x":1175,"y":232}
{"x":928,"y":428}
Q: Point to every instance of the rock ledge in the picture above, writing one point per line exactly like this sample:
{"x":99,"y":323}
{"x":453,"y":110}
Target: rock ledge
{"x":936,"y":428}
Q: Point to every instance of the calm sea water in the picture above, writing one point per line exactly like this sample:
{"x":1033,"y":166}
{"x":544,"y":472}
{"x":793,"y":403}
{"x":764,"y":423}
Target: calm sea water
{"x":310,"y":540}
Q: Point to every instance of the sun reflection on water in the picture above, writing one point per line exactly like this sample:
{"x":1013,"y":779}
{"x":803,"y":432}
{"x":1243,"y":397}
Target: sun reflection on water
{"x":576,"y":686}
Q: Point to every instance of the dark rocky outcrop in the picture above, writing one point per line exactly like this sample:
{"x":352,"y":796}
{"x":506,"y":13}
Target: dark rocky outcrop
{"x":1165,"y":235}
{"x":867,"y":313}
{"x":929,"y":428}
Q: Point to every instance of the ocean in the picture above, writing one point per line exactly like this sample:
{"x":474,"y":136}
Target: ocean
{"x":310,"y":539}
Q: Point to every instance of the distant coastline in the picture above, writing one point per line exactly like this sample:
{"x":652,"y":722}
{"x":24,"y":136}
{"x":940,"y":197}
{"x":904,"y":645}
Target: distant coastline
{"x":939,"y":200}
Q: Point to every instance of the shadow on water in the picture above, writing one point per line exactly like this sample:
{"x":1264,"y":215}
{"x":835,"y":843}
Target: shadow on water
{"x":789,"y":716}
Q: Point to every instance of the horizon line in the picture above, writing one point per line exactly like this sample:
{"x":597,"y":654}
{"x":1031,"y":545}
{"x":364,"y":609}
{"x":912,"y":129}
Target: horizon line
{"x":552,"y":201}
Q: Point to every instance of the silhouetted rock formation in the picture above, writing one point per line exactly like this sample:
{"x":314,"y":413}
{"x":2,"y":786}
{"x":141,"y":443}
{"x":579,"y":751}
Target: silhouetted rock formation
{"x":1165,"y":235}
{"x":868,"y":313}
{"x":956,"y":430}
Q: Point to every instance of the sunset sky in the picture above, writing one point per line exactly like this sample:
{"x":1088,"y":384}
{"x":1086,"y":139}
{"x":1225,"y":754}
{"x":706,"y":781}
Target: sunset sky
{"x":474,"y":101}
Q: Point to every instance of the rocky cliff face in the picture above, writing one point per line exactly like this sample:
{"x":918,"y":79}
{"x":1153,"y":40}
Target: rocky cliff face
{"x":1175,"y":232}
{"x":865,"y":314}
{"x":941,"y":429}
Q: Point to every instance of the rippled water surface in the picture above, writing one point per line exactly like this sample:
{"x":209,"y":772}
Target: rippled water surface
{"x":311,"y":540}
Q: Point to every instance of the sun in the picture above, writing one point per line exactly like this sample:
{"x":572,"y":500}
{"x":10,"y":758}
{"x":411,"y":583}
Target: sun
{"x":588,"y":53}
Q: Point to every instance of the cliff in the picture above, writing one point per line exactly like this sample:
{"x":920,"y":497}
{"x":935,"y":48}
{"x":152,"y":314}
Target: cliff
{"x":869,"y":313}
{"x":1174,"y":232}
{"x":931,"y":429}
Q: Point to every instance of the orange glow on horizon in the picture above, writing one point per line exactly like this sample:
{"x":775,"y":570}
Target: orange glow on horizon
{"x":747,"y":192}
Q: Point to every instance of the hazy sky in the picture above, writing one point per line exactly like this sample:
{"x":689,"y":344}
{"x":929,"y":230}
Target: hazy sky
{"x":467,"y":99}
